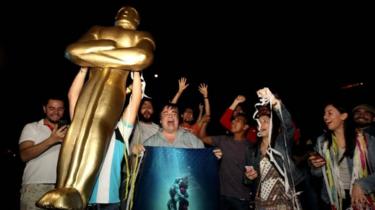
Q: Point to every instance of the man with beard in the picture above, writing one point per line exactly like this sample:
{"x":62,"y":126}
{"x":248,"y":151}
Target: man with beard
{"x":39,"y":146}
{"x":145,"y":126}
{"x":363,"y":189}
{"x":363,"y":115}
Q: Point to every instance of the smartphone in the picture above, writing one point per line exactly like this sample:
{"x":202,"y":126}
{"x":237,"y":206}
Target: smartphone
{"x":316,"y":155}
{"x":62,"y":123}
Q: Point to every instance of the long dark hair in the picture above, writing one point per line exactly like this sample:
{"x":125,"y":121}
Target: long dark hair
{"x":349,"y":130}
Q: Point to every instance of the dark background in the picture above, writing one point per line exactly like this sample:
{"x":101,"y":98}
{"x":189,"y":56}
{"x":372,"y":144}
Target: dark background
{"x":305,"y":52}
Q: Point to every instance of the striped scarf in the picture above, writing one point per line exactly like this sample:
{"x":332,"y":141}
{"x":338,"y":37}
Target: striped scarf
{"x":331,"y":173}
{"x":360,"y":157}
{"x":360,"y":167}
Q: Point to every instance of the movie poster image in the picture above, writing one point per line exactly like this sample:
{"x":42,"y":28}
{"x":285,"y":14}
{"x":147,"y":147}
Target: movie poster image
{"x":177,"y":179}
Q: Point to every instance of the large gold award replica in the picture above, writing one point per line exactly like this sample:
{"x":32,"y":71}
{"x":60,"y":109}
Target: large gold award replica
{"x":110,"y":53}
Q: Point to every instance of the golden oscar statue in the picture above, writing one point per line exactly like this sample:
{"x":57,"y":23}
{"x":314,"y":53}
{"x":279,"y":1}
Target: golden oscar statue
{"x":110,"y":53}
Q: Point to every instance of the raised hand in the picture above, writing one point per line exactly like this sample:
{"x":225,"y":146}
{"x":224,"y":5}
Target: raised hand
{"x":182,"y":85}
{"x":201,"y":106}
{"x":239,"y":99}
{"x":203,"y":89}
{"x":266,"y":96}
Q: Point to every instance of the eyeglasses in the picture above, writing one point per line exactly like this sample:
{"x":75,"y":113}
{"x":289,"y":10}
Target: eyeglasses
{"x":169,"y":114}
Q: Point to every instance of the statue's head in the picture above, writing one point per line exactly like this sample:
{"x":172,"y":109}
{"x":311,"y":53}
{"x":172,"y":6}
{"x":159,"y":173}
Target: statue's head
{"x":128,"y":17}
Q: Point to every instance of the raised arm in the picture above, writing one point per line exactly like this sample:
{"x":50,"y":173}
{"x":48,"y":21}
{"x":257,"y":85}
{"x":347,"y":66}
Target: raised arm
{"x":225,"y":119}
{"x":182,"y":85}
{"x":203,"y":89}
{"x":202,"y":133}
{"x":266,"y":96}
{"x":131,"y":110}
{"x":75,"y":90}
{"x":200,"y":115}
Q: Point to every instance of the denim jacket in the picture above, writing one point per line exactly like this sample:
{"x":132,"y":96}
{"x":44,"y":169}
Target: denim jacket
{"x":253,"y":154}
{"x":368,"y":183}
{"x":318,"y":172}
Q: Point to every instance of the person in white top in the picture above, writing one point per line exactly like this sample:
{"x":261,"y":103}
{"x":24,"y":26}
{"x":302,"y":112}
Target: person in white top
{"x":39,"y":147}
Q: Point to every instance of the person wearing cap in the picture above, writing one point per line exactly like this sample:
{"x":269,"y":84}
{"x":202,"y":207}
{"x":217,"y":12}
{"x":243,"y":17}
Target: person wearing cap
{"x":364,"y":115}
{"x":364,"y":157}
{"x":269,"y":167}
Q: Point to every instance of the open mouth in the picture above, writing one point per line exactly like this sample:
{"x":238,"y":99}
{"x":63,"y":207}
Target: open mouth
{"x":328,"y":123}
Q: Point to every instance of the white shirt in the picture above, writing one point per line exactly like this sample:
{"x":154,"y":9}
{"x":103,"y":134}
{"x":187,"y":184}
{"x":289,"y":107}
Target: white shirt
{"x":41,"y":169}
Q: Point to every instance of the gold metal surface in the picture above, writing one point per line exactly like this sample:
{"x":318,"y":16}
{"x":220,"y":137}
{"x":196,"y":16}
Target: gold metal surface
{"x":110,"y":52}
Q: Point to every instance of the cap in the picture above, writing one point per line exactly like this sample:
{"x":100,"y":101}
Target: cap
{"x":366,"y":107}
{"x":263,"y":110}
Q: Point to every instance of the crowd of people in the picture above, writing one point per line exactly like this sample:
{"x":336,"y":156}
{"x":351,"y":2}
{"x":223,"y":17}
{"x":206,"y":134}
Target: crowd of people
{"x":87,"y":164}
{"x":258,"y":169}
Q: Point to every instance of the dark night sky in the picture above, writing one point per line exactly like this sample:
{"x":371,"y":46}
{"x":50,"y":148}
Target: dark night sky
{"x":215,"y":43}
{"x":211,"y":42}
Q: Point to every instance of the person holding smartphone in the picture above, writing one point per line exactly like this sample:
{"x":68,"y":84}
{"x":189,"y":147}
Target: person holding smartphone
{"x":333,"y":157}
{"x":39,"y":147}
{"x":62,"y":123}
{"x":269,"y":169}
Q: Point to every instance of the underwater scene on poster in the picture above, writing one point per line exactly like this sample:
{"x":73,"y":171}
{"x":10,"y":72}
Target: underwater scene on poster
{"x":177,"y":179}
